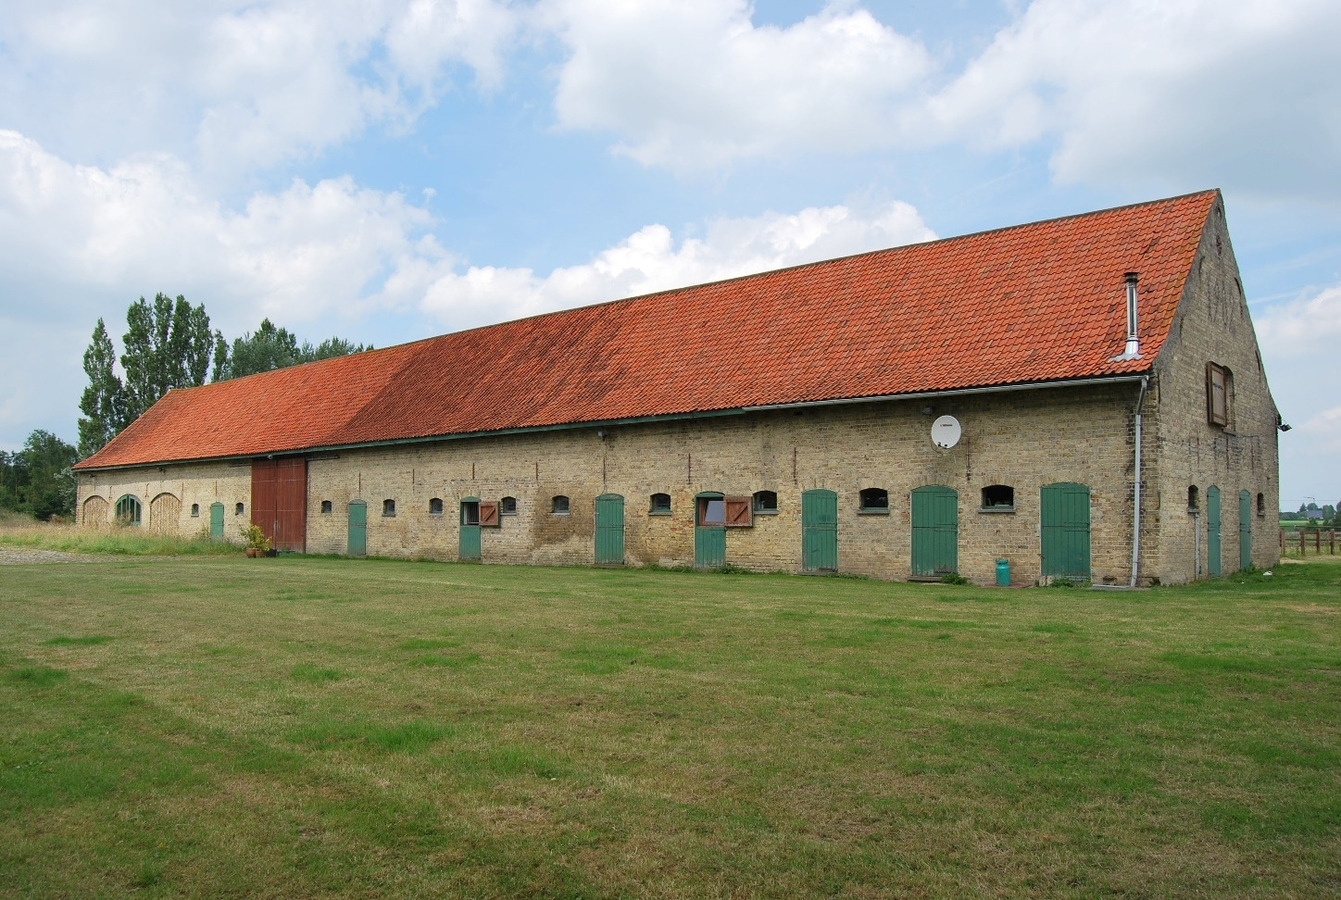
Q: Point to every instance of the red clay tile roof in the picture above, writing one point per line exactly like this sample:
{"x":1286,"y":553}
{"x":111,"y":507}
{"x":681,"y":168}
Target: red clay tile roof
{"x":1039,"y":302}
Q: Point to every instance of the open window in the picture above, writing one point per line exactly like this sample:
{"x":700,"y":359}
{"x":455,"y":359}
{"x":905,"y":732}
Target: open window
{"x":435,"y":506}
{"x":558,"y":505}
{"x":660,"y":505}
{"x":998,"y":497}
{"x":765,"y":503}
{"x":1219,"y":395}
{"x":1193,"y":498}
{"x":507,"y":506}
{"x":327,"y":507}
{"x":874,"y":502}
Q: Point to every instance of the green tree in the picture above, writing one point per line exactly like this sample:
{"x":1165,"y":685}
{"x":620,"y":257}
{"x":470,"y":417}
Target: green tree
{"x":168,"y":345}
{"x":104,"y":403}
{"x":37,"y":480}
{"x":271,"y":347}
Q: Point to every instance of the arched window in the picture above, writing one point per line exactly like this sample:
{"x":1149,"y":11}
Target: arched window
{"x":1193,"y":498}
{"x":327,"y":507}
{"x":661,"y":505}
{"x":195,"y":510}
{"x":388,"y":507}
{"x":507,"y":506}
{"x":1261,"y":504}
{"x":435,"y":506}
{"x":998,"y":496}
{"x":239,"y":509}
{"x":764,"y":503}
{"x":128,"y":510}
{"x":559,"y":505}
{"x":874,"y":501}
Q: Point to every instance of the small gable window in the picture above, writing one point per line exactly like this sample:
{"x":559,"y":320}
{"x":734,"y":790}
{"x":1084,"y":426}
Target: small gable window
{"x":1193,"y":498}
{"x":195,"y":510}
{"x":661,"y":505}
{"x":765,"y":503}
{"x":998,"y":497}
{"x":435,"y":506}
{"x":327,"y":507}
{"x":1219,"y":395}
{"x":507,"y":506}
{"x":239,"y":509}
{"x":128,"y":510}
{"x":874,"y":501}
{"x":558,"y":505}
{"x":388,"y":507}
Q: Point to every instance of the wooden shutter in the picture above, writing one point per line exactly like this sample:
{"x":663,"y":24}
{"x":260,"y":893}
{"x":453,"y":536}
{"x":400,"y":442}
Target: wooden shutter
{"x":1217,"y":400}
{"x":738,"y":512}
{"x":488,"y":514}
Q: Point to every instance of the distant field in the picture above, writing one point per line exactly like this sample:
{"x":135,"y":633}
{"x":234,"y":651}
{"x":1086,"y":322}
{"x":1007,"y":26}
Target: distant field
{"x":300,"y":727}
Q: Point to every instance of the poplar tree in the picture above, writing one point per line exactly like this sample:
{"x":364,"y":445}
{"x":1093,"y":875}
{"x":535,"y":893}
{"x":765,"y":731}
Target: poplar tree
{"x":168,"y":345}
{"x":104,"y":402}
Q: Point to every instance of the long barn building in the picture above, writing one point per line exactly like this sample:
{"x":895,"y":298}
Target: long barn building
{"x":1083,"y":397}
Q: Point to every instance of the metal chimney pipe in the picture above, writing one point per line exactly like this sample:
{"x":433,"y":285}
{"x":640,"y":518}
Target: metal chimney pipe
{"x":1133,"y":348}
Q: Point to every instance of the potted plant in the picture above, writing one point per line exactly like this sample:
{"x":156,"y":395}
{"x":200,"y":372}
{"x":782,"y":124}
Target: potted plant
{"x":257,"y":543}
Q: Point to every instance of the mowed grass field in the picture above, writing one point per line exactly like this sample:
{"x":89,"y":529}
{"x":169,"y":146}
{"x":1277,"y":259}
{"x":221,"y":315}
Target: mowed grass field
{"x":306,"y":727}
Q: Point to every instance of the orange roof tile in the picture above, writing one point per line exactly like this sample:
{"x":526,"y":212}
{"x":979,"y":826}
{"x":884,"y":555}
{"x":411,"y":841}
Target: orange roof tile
{"x":1031,"y":303}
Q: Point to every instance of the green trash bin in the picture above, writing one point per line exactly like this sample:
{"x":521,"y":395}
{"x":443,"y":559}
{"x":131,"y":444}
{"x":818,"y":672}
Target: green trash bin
{"x":1003,"y":573}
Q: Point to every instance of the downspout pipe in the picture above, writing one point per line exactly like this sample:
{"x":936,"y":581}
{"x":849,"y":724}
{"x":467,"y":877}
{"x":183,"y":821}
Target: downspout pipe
{"x":1136,"y":494}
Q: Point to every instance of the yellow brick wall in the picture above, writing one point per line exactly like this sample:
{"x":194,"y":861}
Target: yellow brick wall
{"x":201,"y":484}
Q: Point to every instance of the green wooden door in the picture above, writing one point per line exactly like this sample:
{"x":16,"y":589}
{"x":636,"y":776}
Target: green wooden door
{"x":610,"y":530}
{"x":1213,"y":531}
{"x":935,"y":531}
{"x":468,"y":544}
{"x":216,"y":522}
{"x":358,"y":528}
{"x":819,"y":531}
{"x":1065,"y":527}
{"x":1245,"y":530}
{"x":709,"y":531}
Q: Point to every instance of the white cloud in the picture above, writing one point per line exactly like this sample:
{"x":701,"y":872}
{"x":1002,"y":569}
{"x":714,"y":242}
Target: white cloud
{"x":1301,"y":327}
{"x":144,"y":225}
{"x":649,"y":260}
{"x":693,"y":83}
{"x":1194,"y":92}
{"x":241,"y":83}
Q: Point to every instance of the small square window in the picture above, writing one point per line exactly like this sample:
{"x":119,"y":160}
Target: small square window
{"x":435,"y":506}
{"x":327,"y":507}
{"x":195,"y":510}
{"x":507,"y":506}
{"x":765,"y":503}
{"x":874,"y":501}
{"x":661,"y":505}
{"x":388,"y":508}
{"x":559,"y":505}
{"x":998,"y":497}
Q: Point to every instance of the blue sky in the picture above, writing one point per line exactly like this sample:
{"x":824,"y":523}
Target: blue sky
{"x":385,"y":171}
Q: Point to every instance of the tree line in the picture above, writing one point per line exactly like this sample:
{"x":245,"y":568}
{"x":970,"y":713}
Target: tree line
{"x":168,"y":344}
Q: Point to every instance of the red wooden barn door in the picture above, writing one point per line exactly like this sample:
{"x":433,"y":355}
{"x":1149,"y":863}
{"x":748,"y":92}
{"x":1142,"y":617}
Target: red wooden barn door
{"x":279,"y":501}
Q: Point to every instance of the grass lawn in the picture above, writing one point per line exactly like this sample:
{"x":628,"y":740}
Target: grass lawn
{"x":318,"y":727}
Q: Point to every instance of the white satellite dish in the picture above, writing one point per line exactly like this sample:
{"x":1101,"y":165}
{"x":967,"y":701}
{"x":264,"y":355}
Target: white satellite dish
{"x":945,"y":432}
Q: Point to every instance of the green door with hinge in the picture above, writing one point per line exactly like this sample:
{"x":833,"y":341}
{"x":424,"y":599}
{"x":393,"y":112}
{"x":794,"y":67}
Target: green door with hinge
{"x":358,"y":528}
{"x":610,"y":530}
{"x":935,"y":531}
{"x":1065,"y":530}
{"x":468,"y":545}
{"x":1213,"y":531}
{"x":1245,"y":530}
{"x":819,"y":531}
{"x":709,"y":531}
{"x":216,"y":522}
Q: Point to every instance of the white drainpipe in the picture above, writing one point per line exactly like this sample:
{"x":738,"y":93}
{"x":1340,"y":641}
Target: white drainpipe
{"x":1136,"y":499}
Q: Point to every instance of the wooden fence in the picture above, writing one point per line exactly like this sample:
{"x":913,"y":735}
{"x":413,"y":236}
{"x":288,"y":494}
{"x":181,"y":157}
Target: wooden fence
{"x":1322,"y":541}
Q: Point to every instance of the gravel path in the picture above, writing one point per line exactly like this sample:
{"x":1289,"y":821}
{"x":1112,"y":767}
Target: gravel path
{"x":12,"y":555}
